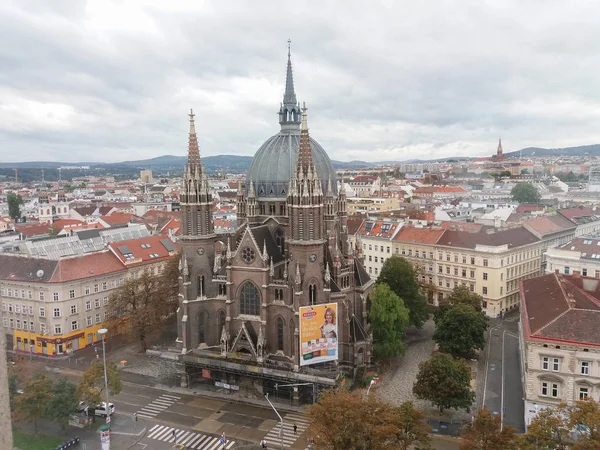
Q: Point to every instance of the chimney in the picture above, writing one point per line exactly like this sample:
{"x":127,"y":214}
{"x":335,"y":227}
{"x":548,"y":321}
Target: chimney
{"x":556,"y":271}
{"x":576,"y":274}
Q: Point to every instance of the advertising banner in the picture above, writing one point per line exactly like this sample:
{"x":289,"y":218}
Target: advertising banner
{"x":318,"y":334}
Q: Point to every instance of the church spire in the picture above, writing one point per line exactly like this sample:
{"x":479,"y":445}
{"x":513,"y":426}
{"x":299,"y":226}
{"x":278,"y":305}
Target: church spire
{"x":289,"y":112}
{"x":305,"y":161}
{"x":193,"y":149}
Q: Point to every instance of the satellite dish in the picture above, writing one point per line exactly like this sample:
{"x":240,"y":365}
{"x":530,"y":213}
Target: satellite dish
{"x":40,"y":273}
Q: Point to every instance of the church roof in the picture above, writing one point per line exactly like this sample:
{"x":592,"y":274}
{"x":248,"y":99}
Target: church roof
{"x":262,"y":234}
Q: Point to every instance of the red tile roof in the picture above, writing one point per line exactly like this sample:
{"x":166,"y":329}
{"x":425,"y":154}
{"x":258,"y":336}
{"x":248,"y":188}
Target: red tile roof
{"x":548,"y":224}
{"x":117,"y":218}
{"x":524,"y":208}
{"x":419,"y":235}
{"x":87,"y":266}
{"x":34,"y":229}
{"x":561,"y":309}
{"x":513,"y":237}
{"x":354,"y":225}
{"x":378,"y":228}
{"x":460,"y":226}
{"x":142,"y":250}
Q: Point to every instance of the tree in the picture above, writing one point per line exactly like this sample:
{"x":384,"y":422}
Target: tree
{"x":12,"y":389}
{"x":170,"y":284}
{"x":585,"y":418}
{"x":14,"y":202}
{"x":549,"y":430}
{"x":30,"y":406}
{"x":525,"y":193}
{"x":525,"y":172}
{"x":399,"y":275}
{"x":484,"y":434}
{"x":412,"y":427}
{"x":343,"y":420}
{"x":91,"y":386}
{"x":460,"y":295}
{"x":505,"y":173}
{"x":445,"y":382}
{"x":460,"y":330}
{"x":139,"y":304}
{"x":63,"y":403}
{"x":389,"y":319}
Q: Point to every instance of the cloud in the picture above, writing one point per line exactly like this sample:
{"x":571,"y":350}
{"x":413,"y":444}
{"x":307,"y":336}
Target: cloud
{"x":111,"y":80}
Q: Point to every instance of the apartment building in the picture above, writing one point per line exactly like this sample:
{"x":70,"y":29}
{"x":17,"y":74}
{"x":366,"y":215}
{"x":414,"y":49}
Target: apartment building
{"x":559,"y":341}
{"x":54,"y":307}
{"x":581,"y":255}
{"x":553,"y":230}
{"x":489,"y":262}
{"x":587,"y":219}
{"x":375,"y":236}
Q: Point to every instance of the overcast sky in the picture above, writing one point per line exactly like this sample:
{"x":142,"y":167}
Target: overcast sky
{"x":383,"y":80}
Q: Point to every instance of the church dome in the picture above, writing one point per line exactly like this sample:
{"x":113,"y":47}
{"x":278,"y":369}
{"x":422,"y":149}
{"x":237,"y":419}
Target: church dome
{"x":274,"y":162}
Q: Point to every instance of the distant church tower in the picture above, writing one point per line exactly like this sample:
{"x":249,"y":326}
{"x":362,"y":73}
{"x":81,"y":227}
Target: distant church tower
{"x":499,"y":154}
{"x":62,"y":205}
{"x":44,"y":207}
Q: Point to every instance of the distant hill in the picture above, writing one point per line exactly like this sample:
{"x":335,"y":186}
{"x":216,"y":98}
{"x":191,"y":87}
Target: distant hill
{"x":583,"y":150}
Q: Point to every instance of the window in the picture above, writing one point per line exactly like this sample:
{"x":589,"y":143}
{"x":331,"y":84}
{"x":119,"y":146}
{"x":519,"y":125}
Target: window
{"x":567,"y":270}
{"x":104,"y":301}
{"x":202,"y":324}
{"x":30,"y":310}
{"x":472,"y":274}
{"x":88,"y":305}
{"x":57,"y":329}
{"x":11,"y":308}
{"x":9,"y":292}
{"x":17,"y":308}
{"x":74,"y":325}
{"x":376,"y":260}
{"x":105,"y":315}
{"x":455,"y":258}
{"x":88,"y":321}
{"x":42,"y":327}
{"x":583,"y":393}
{"x":72,"y":293}
{"x":456,"y":271}
{"x":97,"y":318}
{"x":250,"y":300}
{"x":447,"y":256}
{"x":55,"y":296}
{"x":73,"y":309}
{"x":18,"y":324}
{"x":448,"y":270}
{"x":3,"y":306}
{"x":104,"y":285}
{"x":87,"y":290}
{"x":97,"y":303}
{"x":584,"y":367}
{"x":440,"y":269}
{"x":11,"y":322}
{"x":485,"y":263}
{"x":280,"y":326}
{"x":5,"y":322}
{"x":472,"y":260}
{"x":312,"y":294}
{"x":464,"y":259}
{"x":56,"y":312}
{"x":584,"y":272}
{"x":484,"y":290}
{"x":472,"y":287}
{"x":485,"y":276}
{"x":96,"y":288}
{"x":42,"y":312}
{"x":41,"y":296}
{"x":417,"y":253}
{"x":222,"y":322}
{"x":555,"y":365}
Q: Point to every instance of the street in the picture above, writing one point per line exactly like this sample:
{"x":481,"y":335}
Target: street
{"x":503,"y":392}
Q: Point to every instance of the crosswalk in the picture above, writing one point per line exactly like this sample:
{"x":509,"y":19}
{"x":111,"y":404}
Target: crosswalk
{"x":154,"y":408}
{"x":289,"y":437}
{"x":189,"y":439}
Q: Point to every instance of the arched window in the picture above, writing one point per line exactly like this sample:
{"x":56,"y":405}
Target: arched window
{"x":277,"y":294}
{"x":200,"y":287}
{"x":250,"y":300}
{"x":312,"y":294}
{"x":280,"y":326}
{"x":280,"y":240}
{"x":221,"y":322}
{"x":202,"y":325}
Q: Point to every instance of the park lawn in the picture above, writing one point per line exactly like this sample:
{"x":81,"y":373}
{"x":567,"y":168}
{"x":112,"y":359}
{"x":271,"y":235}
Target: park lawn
{"x":27,"y":441}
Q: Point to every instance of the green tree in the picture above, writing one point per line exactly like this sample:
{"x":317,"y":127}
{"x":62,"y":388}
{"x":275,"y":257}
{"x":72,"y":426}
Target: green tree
{"x":389,"y":319}
{"x":445,"y":382}
{"x":460,"y":330}
{"x":525,"y":172}
{"x":484,"y":434}
{"x":584,"y":417}
{"x":399,"y":275}
{"x":91,"y":385}
{"x":30,"y":406}
{"x":63,"y":403}
{"x":460,"y":295}
{"x":169,"y":284}
{"x":14,"y":203}
{"x":12,"y":389}
{"x":139,"y":306}
{"x":525,"y":193}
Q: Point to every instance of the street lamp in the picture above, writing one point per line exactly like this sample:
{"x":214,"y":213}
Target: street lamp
{"x":102,"y":332}
{"x":280,"y":420}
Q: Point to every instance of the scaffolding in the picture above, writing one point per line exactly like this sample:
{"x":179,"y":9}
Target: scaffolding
{"x":594,"y":179}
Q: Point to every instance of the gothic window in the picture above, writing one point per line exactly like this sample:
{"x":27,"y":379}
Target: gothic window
{"x":221,"y":321}
{"x":250,"y":300}
{"x":277,"y":294}
{"x":312,"y":294}
{"x":280,"y":326}
{"x":280,"y":294}
{"x":201,"y":286}
{"x":280,"y":240}
{"x":202,"y":325}
{"x":248,"y":255}
{"x":272,"y":209}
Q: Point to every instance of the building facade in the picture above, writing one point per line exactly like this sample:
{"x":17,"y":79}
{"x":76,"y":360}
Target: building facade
{"x":243,"y":293}
{"x":580,"y":255}
{"x":559,"y":341}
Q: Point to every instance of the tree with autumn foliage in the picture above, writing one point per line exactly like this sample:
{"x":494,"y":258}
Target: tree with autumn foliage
{"x":484,"y":434}
{"x":343,"y":420}
{"x":169,"y":284}
{"x":91,"y":386}
{"x":140,"y":306}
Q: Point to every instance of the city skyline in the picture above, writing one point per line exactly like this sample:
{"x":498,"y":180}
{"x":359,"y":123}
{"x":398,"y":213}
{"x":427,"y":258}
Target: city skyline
{"x":101,"y":82}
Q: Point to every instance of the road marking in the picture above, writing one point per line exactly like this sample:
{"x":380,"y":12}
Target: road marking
{"x":190,"y":439}
{"x":157,"y":406}
{"x":289,"y":438}
{"x":502,"y":386}
{"x":487,"y":363}
{"x":171,"y":396}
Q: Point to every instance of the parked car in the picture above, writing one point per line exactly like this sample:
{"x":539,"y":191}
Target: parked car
{"x":99,"y":409}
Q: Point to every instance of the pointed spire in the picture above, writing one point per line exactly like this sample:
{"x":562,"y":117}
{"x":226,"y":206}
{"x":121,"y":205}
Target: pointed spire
{"x":298,"y":278}
{"x":251,"y":192}
{"x":228,"y":254}
{"x":193,"y":149}
{"x":329,"y":188}
{"x":285,"y":272}
{"x":271,"y":269}
{"x":239,"y":188}
{"x":217,"y":265}
{"x":186,"y":271}
{"x":289,"y":98}
{"x":327,"y":273}
{"x":304,"y":153}
{"x":265,"y":255}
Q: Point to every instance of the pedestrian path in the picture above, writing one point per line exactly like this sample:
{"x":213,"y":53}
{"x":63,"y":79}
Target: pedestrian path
{"x":289,"y":437}
{"x":157,"y":406}
{"x":189,"y":439}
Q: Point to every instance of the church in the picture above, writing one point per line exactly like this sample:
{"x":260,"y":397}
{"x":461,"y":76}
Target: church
{"x":283,"y":299}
